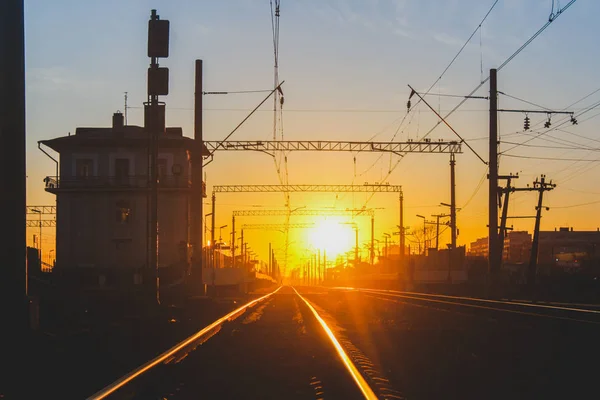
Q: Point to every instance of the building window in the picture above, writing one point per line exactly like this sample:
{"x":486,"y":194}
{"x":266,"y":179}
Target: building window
{"x":161,"y":168}
{"x":84,"y":167}
{"x":121,"y":169}
{"x":123,"y":212}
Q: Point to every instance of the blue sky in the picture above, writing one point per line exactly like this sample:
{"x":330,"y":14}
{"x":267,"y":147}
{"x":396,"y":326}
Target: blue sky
{"x":334,"y":56}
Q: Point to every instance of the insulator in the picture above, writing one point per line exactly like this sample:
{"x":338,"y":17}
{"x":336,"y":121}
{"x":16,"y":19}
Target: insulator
{"x":526,"y":123}
{"x":281,"y":100}
{"x":573,"y":120}
{"x":408,"y":105}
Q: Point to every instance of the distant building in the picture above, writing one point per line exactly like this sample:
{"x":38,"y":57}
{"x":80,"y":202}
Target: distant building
{"x":517,"y":247}
{"x":568,"y":248}
{"x":479,"y":248}
{"x":102,"y":194}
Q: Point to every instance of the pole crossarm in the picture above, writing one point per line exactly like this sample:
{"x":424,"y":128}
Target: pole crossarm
{"x":302,"y":212}
{"x":307,"y":188}
{"x":33,"y":223}
{"x":42,"y":209}
{"x":278,"y":227}
{"x":426,"y":146}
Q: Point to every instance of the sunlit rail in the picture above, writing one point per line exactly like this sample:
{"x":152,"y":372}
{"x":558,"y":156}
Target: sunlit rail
{"x":167,"y":355}
{"x":358,"y":378}
{"x":529,"y":309}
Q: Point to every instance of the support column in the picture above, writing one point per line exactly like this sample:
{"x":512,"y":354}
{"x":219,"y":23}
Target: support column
{"x":242,"y":250}
{"x":372,"y":240}
{"x":318,"y":266}
{"x":453,"y":200}
{"x":401,"y":227}
{"x":453,"y":232}
{"x":270,"y":268}
{"x":13,"y":272}
{"x":233,"y":241}
{"x":356,"y":246}
{"x":493,"y":245}
{"x":324,"y":265}
{"x":196,"y":237}
{"x":212,"y":232}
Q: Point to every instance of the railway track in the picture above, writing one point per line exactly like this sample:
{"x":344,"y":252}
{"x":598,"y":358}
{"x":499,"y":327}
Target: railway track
{"x":276,"y":346}
{"x":588,"y":313}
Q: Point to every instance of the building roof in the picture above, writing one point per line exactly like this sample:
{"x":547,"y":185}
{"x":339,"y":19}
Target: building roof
{"x":127,"y":136}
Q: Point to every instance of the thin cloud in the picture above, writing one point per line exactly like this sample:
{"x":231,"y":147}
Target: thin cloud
{"x":445,"y":38}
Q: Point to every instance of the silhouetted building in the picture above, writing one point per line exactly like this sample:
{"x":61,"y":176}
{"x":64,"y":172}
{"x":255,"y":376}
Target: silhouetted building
{"x":479,"y":248}
{"x":102,"y":195}
{"x":568,"y":248}
{"x":517,"y":247}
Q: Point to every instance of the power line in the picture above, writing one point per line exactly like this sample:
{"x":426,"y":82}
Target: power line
{"x":577,"y":205}
{"x":561,"y":123}
{"x":509,"y":59}
{"x":549,"y":147}
{"x":524,"y":101}
{"x":235,"y":92}
{"x":549,"y":158}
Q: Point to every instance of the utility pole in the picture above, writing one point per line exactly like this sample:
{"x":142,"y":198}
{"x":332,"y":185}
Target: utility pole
{"x":233,"y":241}
{"x":493,"y":245}
{"x":318,"y":265}
{"x":212,"y":232}
{"x":401,"y":226}
{"x":541,"y":186}
{"x":437,"y":228}
{"x":372,"y":240}
{"x":424,"y":234}
{"x":270,"y":259}
{"x":506,"y":192}
{"x":154,"y":116}
{"x":324,"y":265}
{"x":13,"y":274}
{"x":386,"y":251}
{"x":242,"y":250}
{"x":197,"y":196}
{"x":355,"y":245}
{"x":452,"y":203}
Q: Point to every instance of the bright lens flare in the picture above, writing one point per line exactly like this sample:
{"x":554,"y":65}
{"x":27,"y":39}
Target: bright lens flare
{"x":332,"y":237}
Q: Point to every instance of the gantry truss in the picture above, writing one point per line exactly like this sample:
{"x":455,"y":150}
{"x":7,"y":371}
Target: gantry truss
{"x":307,"y":188}
{"x":400,"y":148}
{"x":303,"y":212}
{"x":278,"y":227}
{"x":46,"y":223}
{"x":42,"y":209}
{"x":369,"y":188}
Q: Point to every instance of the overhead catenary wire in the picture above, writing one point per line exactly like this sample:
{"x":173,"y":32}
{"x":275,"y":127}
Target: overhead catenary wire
{"x":508,"y":60}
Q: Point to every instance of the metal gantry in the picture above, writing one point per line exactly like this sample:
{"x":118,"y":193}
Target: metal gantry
{"x":307,"y":188}
{"x":45,"y":223}
{"x":42,"y":209}
{"x":278,"y":227}
{"x":296,"y":212}
{"x":426,"y":146}
{"x":303,"y":212}
{"x":370,"y":188}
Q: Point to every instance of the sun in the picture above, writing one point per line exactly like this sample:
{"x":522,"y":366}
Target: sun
{"x":332,"y":237}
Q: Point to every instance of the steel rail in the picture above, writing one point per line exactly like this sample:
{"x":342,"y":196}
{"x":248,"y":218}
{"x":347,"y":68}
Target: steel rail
{"x":478,"y":299}
{"x":460,"y":301}
{"x":167,"y":355}
{"x":356,"y":375}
